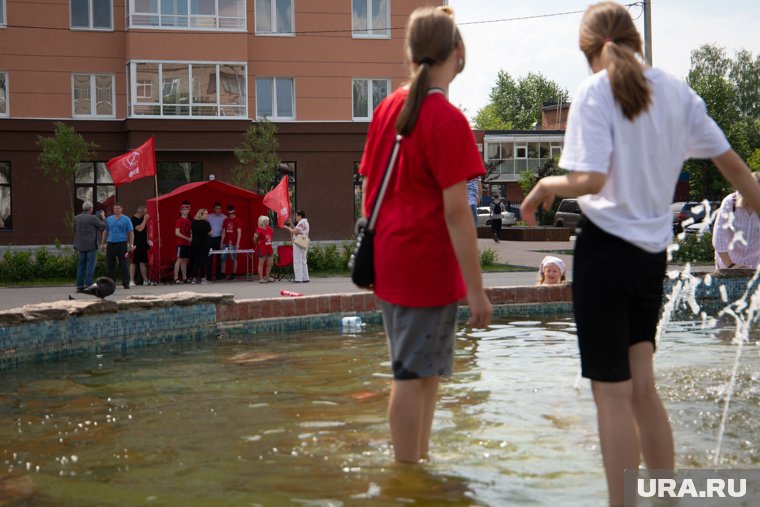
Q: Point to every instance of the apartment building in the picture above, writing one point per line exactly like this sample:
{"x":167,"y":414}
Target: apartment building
{"x":194,"y":74}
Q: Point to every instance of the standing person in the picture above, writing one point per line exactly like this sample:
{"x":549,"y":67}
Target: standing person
{"x":142,"y":244}
{"x":736,"y":217}
{"x":300,"y":268}
{"x":628,"y":134}
{"x":262,"y":240}
{"x":118,"y":241}
{"x":420,"y":305}
{"x":232,"y":230}
{"x":474,"y":193}
{"x":183,"y":233}
{"x":87,"y":228}
{"x":216,"y":219}
{"x":200,"y":244}
{"x":497,"y":208}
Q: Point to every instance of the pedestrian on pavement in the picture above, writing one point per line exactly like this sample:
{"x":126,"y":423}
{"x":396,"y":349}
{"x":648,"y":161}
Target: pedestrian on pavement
{"x":419,"y":264}
{"x":474,"y":193}
{"x":232,"y":231}
{"x":184,"y":235}
{"x":200,"y":245}
{"x":300,"y":255}
{"x":497,"y":209}
{"x":262,"y":242}
{"x":628,"y":134}
{"x":216,"y":219}
{"x":87,"y":229}
{"x":118,"y":242}
{"x":142,"y":244}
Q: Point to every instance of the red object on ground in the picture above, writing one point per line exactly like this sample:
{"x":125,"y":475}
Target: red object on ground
{"x":136,"y":164}
{"x":278,"y":201}
{"x":284,"y":292}
{"x":201,"y":194}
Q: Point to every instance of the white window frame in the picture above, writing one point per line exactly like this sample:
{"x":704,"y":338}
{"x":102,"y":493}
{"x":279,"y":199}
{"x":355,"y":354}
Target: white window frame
{"x":274,"y":97}
{"x":243,"y":22}
{"x":358,"y":33}
{"x":371,"y":109}
{"x":7,"y":96}
{"x":273,"y":9}
{"x":90,"y":19}
{"x":132,"y":77}
{"x":4,"y":21}
{"x":94,"y":95}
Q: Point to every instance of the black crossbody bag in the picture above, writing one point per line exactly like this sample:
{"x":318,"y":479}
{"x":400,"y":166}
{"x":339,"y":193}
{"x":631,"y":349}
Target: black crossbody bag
{"x":362,"y":263}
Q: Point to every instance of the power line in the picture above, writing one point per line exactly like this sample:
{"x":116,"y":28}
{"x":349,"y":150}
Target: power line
{"x":344,"y":30}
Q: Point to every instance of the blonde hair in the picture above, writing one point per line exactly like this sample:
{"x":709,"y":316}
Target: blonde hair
{"x":607,"y":31}
{"x":199,"y":213}
{"x":430,"y":38}
{"x":262,"y":219}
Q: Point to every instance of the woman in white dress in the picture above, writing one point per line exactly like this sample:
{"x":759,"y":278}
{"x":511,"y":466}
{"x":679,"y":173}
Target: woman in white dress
{"x":300,"y":268}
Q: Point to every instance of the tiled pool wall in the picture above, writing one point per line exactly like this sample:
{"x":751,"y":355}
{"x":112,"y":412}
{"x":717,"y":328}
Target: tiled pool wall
{"x":127,"y":325}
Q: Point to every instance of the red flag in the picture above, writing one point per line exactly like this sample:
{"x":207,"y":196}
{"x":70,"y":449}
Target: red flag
{"x":136,"y":164}
{"x":278,"y":201}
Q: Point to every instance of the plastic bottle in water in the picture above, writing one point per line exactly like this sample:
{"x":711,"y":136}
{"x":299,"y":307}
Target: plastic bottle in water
{"x":353,"y":323}
{"x":288,"y":293}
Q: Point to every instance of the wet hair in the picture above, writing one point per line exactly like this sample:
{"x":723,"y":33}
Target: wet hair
{"x":607,"y":31}
{"x":430,"y":38}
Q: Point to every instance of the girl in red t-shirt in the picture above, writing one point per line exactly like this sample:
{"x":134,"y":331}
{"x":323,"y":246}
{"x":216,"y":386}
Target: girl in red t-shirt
{"x":262,"y":238}
{"x":423,"y":267}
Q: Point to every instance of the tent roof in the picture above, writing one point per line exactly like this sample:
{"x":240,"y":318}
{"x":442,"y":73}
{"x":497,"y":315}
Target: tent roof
{"x":214,"y":185}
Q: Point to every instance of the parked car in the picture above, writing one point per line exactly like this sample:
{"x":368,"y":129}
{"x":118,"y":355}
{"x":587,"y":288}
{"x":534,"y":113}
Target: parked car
{"x":568,"y":214}
{"x":484,"y":218}
{"x":683,"y":211}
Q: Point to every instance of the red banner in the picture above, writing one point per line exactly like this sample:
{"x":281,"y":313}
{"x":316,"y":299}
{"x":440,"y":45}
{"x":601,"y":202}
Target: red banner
{"x":278,"y":201}
{"x":136,"y":164}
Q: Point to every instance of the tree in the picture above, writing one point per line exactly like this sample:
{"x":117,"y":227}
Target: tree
{"x":259,"y":163}
{"x":518,"y":103}
{"x":487,"y":119}
{"x":528,"y":180}
{"x":731,"y":91}
{"x":60,"y":157}
{"x":754,"y":161}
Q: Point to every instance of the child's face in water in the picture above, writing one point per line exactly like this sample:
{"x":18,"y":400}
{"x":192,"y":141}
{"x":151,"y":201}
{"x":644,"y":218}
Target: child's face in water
{"x":552,"y":274}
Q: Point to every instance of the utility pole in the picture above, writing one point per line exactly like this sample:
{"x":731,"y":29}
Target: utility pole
{"x":647,"y":6}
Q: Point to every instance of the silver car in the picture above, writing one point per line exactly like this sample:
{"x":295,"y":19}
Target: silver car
{"x":484,"y":217}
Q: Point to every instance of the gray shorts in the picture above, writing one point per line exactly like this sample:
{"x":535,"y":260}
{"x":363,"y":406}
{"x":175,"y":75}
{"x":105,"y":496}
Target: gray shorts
{"x":420,"y":340}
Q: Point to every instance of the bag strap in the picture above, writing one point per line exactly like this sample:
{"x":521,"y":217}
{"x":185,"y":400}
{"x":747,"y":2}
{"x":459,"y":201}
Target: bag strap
{"x":384,"y":185}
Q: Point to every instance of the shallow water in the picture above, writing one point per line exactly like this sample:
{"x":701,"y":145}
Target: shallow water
{"x":300,"y":420}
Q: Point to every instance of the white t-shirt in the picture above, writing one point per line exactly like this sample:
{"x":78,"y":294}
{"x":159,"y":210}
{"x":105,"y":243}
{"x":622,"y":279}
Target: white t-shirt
{"x":642,"y":158}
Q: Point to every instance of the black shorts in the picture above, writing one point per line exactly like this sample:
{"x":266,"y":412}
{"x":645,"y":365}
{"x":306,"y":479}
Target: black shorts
{"x":183,"y":251}
{"x":617,"y":296}
{"x":140,"y":255}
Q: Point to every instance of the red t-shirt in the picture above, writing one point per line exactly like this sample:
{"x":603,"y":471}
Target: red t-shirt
{"x":265,"y":241}
{"x":415,"y":263}
{"x":230,"y":228}
{"x":185,"y":227}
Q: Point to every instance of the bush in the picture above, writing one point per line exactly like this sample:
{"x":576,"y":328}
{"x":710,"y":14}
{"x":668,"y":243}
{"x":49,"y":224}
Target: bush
{"x":488,"y":257}
{"x":694,"y":249}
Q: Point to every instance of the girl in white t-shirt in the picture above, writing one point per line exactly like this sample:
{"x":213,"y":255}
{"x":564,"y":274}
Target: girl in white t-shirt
{"x":629,"y":131}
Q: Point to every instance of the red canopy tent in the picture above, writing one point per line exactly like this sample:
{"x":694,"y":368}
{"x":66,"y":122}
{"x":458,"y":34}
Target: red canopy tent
{"x":164,"y":211}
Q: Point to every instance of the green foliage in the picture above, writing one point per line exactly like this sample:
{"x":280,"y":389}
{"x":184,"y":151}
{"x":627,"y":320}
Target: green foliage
{"x":694,"y":249}
{"x":754,"y":161}
{"x":60,"y":157}
{"x":258,"y":160}
{"x":42,"y":265}
{"x":528,"y":180}
{"x":488,"y":257}
{"x":488,"y":119}
{"x":518,"y":103}
{"x":731,"y":91}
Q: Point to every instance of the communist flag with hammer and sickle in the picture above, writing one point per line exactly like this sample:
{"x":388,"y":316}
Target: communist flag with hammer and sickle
{"x":136,"y":164}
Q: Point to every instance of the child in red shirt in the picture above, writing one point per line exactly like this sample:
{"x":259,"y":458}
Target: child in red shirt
{"x":262,"y":238}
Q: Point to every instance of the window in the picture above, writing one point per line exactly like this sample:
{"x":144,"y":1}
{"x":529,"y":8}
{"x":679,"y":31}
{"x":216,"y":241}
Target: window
{"x":3,"y":94}
{"x":274,"y":17}
{"x":275,"y":98}
{"x":173,"y":175}
{"x":91,"y":14}
{"x":6,"y":222}
{"x":188,"y":14}
{"x":371,"y":18}
{"x":2,"y":14}
{"x":92,"y":182}
{"x":362,"y":106}
{"x":93,"y":95}
{"x":188,"y":89}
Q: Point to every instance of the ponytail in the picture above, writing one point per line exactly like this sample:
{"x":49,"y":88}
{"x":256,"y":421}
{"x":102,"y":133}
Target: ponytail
{"x":629,"y":86}
{"x":418,"y":89}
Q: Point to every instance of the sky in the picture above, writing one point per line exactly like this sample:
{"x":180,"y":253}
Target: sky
{"x":550,"y":45}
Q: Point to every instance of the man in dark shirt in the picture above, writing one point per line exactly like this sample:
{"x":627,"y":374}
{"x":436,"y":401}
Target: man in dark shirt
{"x":87,"y":228}
{"x":142,"y":244}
